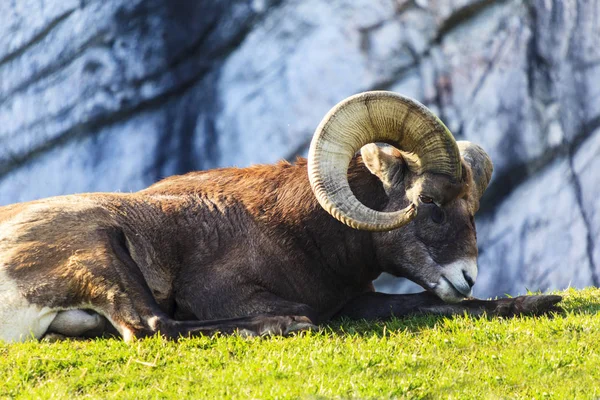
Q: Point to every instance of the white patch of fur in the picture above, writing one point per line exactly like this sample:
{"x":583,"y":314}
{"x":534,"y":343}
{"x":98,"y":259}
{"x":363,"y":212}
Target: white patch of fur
{"x":75,"y":322}
{"x":453,"y":279}
{"x":153,"y":323}
{"x":126,"y":333}
{"x":20,"y":320}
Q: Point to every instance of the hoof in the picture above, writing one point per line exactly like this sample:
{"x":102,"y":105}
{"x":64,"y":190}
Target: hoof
{"x":284,"y":325}
{"x":246,"y":333}
{"x":528,"y":305}
{"x":538,"y":305}
{"x":54,"y":337}
{"x":300,"y":326}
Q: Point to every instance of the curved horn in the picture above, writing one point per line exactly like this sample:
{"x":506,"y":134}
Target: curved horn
{"x":424,"y":141}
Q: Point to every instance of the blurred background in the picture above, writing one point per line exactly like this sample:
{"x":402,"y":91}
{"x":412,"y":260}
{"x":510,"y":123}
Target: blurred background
{"x":113,"y":95}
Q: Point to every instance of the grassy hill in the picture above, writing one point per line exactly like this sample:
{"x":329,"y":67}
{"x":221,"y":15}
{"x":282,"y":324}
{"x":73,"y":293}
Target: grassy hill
{"x":549,"y":357}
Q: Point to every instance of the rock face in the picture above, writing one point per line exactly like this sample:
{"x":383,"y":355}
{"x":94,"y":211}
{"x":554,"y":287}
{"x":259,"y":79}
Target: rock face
{"x":112,"y":95}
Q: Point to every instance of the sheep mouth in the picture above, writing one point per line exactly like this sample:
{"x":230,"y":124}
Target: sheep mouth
{"x":448,"y":292}
{"x":461,"y":290}
{"x":457,"y":280}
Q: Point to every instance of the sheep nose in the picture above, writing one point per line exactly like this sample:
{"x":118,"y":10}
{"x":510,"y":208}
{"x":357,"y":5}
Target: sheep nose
{"x":468,"y":278}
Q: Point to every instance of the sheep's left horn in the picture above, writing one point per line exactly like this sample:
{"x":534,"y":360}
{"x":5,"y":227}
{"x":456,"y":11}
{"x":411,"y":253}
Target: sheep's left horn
{"x":424,"y":141}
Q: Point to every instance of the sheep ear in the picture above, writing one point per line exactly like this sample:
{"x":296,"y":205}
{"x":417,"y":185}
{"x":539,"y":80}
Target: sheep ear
{"x":481,"y":168}
{"x":384,"y":162}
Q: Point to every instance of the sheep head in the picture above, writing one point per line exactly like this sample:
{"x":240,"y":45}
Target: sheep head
{"x":426,"y":231}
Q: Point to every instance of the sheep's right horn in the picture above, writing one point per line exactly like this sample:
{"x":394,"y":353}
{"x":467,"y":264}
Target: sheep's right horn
{"x":424,"y":141}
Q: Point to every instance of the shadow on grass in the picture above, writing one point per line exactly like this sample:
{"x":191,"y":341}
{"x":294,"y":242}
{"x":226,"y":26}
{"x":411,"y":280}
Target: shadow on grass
{"x":382,"y":328}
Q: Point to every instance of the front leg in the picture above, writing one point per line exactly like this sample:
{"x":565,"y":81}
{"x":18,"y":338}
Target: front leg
{"x":377,"y":306}
{"x":261,"y":313}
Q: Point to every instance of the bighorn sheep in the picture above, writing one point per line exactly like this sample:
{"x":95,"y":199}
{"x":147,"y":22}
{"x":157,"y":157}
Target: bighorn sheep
{"x":253,"y":249}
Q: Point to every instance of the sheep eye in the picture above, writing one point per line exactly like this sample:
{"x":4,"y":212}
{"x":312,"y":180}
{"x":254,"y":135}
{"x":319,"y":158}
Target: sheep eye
{"x":437,"y":215}
{"x":425,"y":199}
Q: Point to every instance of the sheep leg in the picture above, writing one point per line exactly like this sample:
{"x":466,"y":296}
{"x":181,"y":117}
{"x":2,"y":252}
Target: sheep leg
{"x":269,"y":314}
{"x":135,"y":313}
{"x":259,"y":325}
{"x":130,"y":309}
{"x":376,"y":306}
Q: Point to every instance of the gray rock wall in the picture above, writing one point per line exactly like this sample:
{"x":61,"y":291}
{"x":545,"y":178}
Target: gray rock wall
{"x":112,"y":95}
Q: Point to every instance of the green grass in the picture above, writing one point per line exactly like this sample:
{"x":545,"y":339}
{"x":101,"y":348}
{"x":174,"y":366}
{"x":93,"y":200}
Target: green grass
{"x":428,"y":357}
